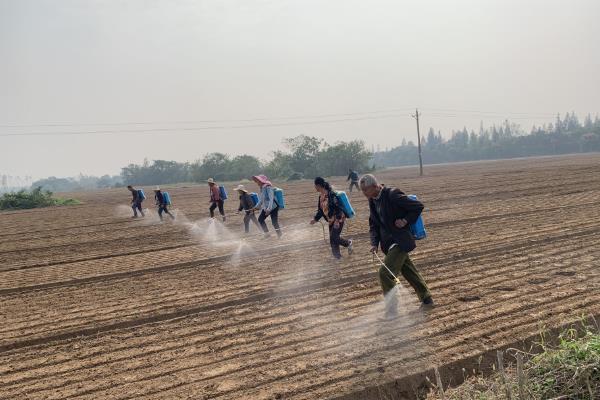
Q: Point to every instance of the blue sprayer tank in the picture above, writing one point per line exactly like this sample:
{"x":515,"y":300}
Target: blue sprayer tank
{"x":345,"y":205}
{"x":222,"y":192}
{"x":418,"y":228}
{"x":166,"y":198}
{"x":255,"y":198}
{"x":279,"y":197}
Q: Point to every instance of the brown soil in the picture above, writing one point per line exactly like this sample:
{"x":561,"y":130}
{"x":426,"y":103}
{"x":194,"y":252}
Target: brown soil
{"x":96,"y":305}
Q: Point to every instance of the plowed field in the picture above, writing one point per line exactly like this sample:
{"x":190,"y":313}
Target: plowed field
{"x":96,"y":305}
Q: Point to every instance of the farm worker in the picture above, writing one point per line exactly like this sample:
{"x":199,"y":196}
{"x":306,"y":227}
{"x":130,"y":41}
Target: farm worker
{"x":246,"y":205}
{"x":267,"y":204}
{"x":391,"y":213}
{"x":353,"y":178}
{"x":328,"y":208}
{"x":136,"y":201}
{"x":161,"y":203}
{"x":215,"y":199}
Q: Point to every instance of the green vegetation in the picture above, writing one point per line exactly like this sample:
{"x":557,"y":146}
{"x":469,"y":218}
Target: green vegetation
{"x":572,"y":369}
{"x":36,"y":198}
{"x":569,"y":370}
{"x":304,"y":157}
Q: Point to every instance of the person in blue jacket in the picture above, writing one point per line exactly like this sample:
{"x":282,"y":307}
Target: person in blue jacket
{"x":267,"y":205}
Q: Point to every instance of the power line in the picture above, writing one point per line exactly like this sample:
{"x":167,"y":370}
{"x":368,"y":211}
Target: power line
{"x":205,"y":121}
{"x":450,"y":112}
{"x":361,"y":116}
{"x":203,"y":128}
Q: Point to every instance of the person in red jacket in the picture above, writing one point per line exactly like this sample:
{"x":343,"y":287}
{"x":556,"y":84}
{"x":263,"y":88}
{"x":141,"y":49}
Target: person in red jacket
{"x":215,"y":199}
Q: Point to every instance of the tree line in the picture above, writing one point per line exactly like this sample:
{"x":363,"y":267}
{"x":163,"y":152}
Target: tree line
{"x":304,"y":156}
{"x":509,"y":140}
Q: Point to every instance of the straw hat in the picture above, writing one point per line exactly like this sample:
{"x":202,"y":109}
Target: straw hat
{"x":156,"y":189}
{"x":241,"y":188}
{"x":210,"y":180}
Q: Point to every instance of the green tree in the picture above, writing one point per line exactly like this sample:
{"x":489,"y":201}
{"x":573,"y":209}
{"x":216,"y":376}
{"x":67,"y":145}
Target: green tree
{"x":213,"y":165}
{"x":280,"y":166}
{"x":337,"y":159}
{"x":304,"y":152}
{"x":244,"y":166}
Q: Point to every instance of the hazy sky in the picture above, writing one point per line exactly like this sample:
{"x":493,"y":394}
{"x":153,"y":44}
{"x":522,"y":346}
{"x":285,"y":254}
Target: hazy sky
{"x":157,"y":64}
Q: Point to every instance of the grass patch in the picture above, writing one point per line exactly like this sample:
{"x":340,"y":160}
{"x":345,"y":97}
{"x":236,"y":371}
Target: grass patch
{"x":36,"y":198}
{"x":567,"y":370}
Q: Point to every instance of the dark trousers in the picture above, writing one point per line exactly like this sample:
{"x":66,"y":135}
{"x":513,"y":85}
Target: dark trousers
{"x":274,"y":219}
{"x":250,"y":217}
{"x":400,"y":263}
{"x":353,"y":183}
{"x":214,"y":205}
{"x":336,"y":240}
{"x":137,"y":206}
{"x":163,"y":208}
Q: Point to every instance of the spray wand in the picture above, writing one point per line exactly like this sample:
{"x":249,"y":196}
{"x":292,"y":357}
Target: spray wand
{"x":386,"y":267}
{"x":324,"y":235}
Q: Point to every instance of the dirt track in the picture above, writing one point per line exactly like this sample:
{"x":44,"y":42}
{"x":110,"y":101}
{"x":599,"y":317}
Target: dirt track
{"x":96,"y":305}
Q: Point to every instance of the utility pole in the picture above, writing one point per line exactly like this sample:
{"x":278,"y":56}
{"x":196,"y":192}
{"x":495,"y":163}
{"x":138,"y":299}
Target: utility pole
{"x":416,"y":116}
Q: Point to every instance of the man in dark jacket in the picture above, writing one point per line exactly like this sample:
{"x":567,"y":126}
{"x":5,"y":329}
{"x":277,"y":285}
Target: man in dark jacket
{"x":161,"y":203}
{"x":353,"y":178}
{"x":136,"y":201}
{"x":247,"y":205}
{"x":391,"y":214}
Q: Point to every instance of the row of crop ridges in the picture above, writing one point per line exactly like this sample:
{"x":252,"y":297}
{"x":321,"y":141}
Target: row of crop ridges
{"x":469,"y":257}
{"x":453,"y":315}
